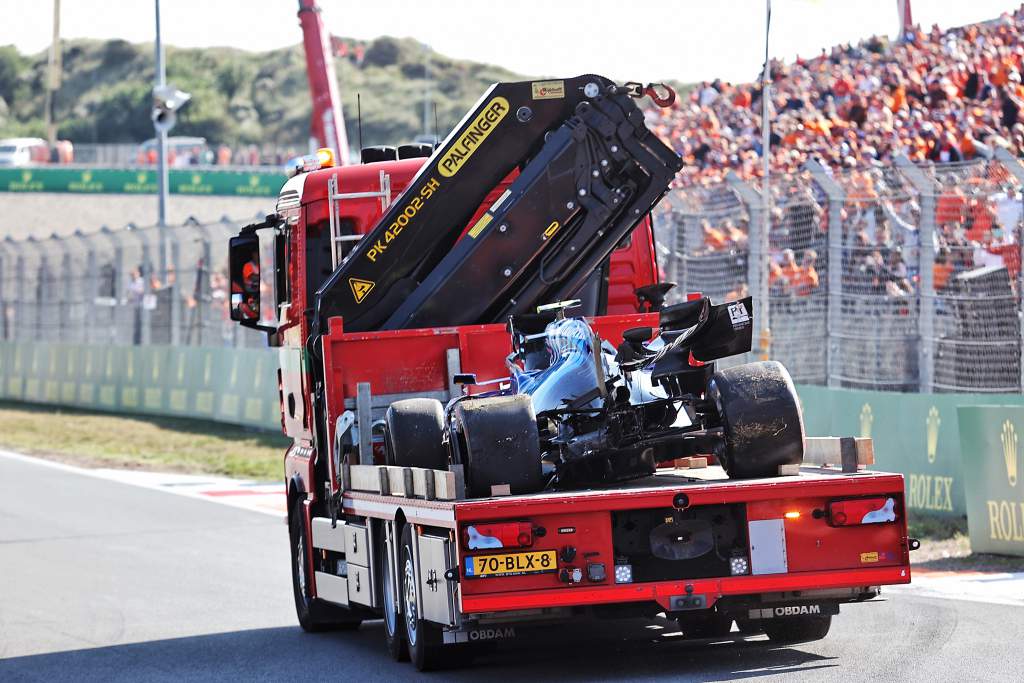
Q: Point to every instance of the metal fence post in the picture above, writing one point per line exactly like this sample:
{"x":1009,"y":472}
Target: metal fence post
{"x":19,"y":291}
{"x":171,"y":281}
{"x":925,"y":188}
{"x":836,"y":199}
{"x":1014,"y":166}
{"x":5,"y":264}
{"x":63,"y":306}
{"x":757,"y":258}
{"x":91,"y":288}
{"x":42,"y":266}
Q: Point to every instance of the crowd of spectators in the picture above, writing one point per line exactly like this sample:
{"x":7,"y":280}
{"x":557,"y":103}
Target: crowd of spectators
{"x":939,"y":96}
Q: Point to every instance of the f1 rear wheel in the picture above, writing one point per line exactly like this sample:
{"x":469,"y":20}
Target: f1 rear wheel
{"x":761,"y":419}
{"x":500,"y":444}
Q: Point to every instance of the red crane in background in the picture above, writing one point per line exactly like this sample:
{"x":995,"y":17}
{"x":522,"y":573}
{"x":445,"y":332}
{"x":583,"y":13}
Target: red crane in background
{"x":328,"y":122}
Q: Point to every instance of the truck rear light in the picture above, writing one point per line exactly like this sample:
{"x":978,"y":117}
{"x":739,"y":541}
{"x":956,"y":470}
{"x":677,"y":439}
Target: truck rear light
{"x":497,"y":535}
{"x":623,"y":572}
{"x":854,"y":511}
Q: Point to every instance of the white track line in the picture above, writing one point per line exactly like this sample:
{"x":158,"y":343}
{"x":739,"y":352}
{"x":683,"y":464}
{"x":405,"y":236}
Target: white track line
{"x":263,"y":497}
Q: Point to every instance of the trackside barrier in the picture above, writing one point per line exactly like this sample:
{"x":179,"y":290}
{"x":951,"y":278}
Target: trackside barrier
{"x":87,"y":180}
{"x":230,"y":385}
{"x":993,"y":469}
{"x":918,"y":435}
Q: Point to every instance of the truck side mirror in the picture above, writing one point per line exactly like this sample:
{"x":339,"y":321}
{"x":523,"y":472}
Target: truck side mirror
{"x":244,"y":263}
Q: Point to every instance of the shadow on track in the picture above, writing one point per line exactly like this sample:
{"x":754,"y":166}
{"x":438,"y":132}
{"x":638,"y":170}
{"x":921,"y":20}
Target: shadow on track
{"x":586,"y":651}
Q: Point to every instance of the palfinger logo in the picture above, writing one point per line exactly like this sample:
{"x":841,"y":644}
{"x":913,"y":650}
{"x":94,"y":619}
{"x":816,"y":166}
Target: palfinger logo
{"x":473,"y":137}
{"x":932,"y":431}
{"x":1009,"y":439}
{"x":866,"y":418}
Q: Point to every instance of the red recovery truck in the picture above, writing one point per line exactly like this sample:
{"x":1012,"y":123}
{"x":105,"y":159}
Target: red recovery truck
{"x":452,"y":475}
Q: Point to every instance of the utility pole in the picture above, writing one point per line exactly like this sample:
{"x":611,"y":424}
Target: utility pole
{"x":763,"y":288}
{"x":426,"y":92}
{"x":53,"y":78}
{"x":161,"y":144}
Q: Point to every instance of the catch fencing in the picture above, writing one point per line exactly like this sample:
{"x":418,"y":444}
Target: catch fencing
{"x":128,"y":287}
{"x":899,"y":278}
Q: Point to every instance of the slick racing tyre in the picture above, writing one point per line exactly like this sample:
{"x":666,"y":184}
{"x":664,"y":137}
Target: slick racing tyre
{"x":500,"y":444}
{"x":414,"y":431}
{"x":761,"y":419}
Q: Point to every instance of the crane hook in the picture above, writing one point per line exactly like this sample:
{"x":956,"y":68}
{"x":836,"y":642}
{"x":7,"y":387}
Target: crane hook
{"x":666,"y":100}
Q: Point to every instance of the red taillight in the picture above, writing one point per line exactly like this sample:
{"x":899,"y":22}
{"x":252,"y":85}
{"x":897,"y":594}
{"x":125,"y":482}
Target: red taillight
{"x":856,"y":511}
{"x":497,"y":535}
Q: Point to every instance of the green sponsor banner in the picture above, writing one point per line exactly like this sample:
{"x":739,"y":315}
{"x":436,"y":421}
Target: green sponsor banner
{"x":236,"y":386}
{"x":991,"y":450}
{"x":140,"y":181}
{"x":917,"y":435}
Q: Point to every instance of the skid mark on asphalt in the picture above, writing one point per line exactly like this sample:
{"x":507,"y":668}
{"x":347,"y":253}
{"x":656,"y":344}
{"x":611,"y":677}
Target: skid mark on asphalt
{"x":257,"y":496}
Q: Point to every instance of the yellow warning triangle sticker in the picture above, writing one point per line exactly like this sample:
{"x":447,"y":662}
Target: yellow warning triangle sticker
{"x":360,"y":288}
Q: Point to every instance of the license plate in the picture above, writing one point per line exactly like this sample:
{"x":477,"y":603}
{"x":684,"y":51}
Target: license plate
{"x":511,"y":564}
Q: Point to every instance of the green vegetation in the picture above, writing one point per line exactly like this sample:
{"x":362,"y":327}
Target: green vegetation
{"x":93,"y":439}
{"x":238,"y":97}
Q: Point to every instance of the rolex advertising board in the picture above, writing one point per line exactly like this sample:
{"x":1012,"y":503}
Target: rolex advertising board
{"x":915,"y":434}
{"x":990,"y":441}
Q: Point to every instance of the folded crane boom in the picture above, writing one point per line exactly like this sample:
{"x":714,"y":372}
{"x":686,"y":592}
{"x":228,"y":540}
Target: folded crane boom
{"x":590,"y":170}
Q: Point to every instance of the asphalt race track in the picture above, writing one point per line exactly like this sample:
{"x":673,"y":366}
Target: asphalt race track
{"x":101,"y":580}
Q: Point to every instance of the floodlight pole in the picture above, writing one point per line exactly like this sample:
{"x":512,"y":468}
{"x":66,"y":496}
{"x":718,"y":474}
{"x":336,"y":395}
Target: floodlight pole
{"x":161,"y":146}
{"x":762,"y":287}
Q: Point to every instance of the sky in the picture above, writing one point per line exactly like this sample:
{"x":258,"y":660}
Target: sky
{"x":685,"y":40}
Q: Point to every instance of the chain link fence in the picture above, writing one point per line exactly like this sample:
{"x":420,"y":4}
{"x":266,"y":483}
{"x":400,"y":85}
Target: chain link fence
{"x":899,"y":278}
{"x":108,"y":287}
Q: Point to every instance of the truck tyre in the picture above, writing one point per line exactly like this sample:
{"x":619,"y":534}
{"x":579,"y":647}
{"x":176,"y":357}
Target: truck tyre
{"x":500,"y":444}
{"x":750,"y":627}
{"x":761,"y":419}
{"x":791,"y":630}
{"x":424,"y":638}
{"x":314,"y":615}
{"x":394,"y":630}
{"x":709,"y":624}
{"x":415,"y":433}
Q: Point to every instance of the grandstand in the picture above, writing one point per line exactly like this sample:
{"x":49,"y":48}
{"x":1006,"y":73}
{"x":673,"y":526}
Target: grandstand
{"x":910,"y":150}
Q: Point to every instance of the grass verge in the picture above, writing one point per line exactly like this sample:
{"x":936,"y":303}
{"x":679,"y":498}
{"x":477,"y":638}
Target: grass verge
{"x":945,"y":546}
{"x":94,"y":439}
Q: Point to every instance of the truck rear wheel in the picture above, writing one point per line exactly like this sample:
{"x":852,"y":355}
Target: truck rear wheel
{"x":423,"y":637}
{"x":790,"y":630}
{"x":415,"y":434}
{"x":761,"y":419}
{"x":500,"y":444}
{"x":706,"y":624}
{"x":314,"y":615}
{"x":394,"y":630}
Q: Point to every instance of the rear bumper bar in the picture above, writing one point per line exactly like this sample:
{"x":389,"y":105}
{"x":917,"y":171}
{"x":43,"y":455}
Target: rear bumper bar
{"x":663,"y":592}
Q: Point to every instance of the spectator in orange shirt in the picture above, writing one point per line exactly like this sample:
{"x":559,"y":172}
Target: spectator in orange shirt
{"x":805,"y":280}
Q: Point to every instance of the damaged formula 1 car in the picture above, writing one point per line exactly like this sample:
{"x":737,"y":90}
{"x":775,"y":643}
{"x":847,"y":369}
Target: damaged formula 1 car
{"x":577,"y":411}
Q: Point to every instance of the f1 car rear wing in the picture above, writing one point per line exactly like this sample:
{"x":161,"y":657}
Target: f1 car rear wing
{"x":592,"y":171}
